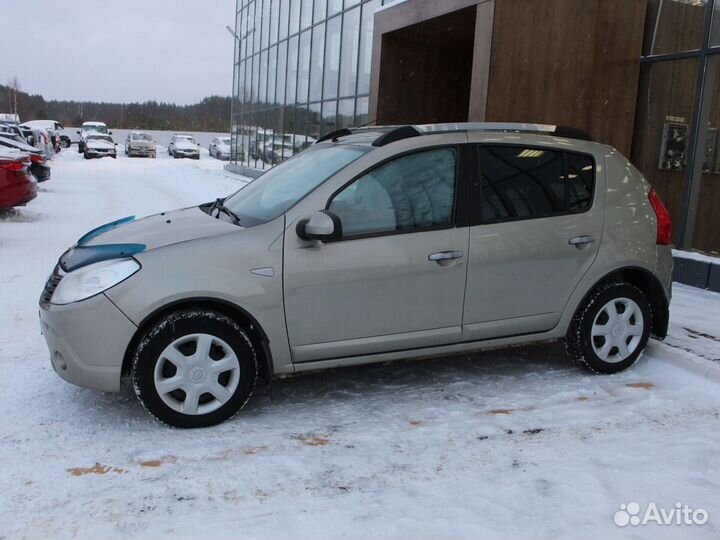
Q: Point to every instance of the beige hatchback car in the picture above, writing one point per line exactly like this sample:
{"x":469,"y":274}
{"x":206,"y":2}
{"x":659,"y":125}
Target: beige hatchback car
{"x":374,"y":244}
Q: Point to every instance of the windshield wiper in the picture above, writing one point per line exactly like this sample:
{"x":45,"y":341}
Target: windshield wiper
{"x":220,"y":207}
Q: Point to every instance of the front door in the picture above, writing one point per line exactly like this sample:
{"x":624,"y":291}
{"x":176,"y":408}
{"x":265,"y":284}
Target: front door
{"x":537,"y":219}
{"x":396,"y":279}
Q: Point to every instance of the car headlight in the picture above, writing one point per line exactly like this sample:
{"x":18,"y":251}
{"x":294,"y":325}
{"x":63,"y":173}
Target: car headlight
{"x":93,"y":279}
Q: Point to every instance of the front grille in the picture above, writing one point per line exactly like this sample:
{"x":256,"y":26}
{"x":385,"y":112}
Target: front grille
{"x":52,"y":283}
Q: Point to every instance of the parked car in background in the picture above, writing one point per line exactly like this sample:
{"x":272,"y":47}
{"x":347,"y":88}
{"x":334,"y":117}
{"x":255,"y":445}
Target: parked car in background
{"x":9,"y":118}
{"x":99,"y":145}
{"x":184,"y":146}
{"x":38,"y":138}
{"x":495,"y":234}
{"x":139,"y":143}
{"x":258,"y":138}
{"x":54,"y":128}
{"x":17,"y":185}
{"x":39,"y":164}
{"x":278,"y":151}
{"x":88,"y":128}
{"x":220,"y":148}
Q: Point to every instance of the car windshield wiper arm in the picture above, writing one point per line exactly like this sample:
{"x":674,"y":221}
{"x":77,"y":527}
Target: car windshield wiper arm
{"x":220,"y":207}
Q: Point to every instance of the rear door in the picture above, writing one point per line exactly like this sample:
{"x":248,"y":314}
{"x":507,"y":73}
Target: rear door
{"x":536,"y":225}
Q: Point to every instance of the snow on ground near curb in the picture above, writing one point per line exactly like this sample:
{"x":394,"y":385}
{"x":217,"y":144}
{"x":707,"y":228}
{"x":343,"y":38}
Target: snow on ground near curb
{"x":513,"y":443}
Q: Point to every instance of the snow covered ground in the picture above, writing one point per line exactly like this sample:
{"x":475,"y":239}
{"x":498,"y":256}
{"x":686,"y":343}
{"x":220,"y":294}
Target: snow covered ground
{"x":515,"y":443}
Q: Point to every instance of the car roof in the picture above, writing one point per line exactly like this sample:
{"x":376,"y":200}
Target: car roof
{"x":382,"y":135}
{"x":94,"y":124}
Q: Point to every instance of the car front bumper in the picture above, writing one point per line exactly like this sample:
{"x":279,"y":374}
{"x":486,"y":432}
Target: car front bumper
{"x":87,"y":341}
{"x":141,"y":151}
{"x":100,"y":153}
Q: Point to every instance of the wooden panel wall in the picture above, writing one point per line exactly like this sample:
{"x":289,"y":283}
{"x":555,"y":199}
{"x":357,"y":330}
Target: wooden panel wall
{"x":707,"y":226}
{"x":667,"y":89}
{"x":568,"y":62}
{"x":425,"y":72}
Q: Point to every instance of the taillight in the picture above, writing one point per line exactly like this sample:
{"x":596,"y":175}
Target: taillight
{"x":37,"y":158}
{"x":664,"y":221}
{"x":15,"y":166}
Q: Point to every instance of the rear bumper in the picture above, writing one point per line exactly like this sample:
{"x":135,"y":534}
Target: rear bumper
{"x":40,"y":172}
{"x":18,"y":194}
{"x":664,"y":269}
{"x":87,"y":341}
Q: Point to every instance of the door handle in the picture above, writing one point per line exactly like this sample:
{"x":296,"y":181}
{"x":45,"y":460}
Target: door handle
{"x":445,"y":256}
{"x":580,"y":241}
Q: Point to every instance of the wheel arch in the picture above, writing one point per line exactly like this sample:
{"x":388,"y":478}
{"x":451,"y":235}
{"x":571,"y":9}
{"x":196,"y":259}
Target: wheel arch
{"x":651,"y":287}
{"x":257,"y":335}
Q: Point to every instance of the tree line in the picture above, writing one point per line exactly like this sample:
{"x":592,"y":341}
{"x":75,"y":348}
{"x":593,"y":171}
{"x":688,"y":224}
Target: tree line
{"x":210,"y":114}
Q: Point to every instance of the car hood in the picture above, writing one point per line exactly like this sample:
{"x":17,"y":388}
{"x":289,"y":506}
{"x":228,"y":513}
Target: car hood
{"x":159,"y":230}
{"x":104,"y":145}
{"x":185,"y":145}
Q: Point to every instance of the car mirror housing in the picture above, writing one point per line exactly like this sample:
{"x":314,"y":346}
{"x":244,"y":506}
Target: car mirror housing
{"x":323,"y":225}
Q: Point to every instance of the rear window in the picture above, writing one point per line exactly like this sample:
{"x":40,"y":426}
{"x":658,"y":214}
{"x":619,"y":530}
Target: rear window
{"x":527,"y":183}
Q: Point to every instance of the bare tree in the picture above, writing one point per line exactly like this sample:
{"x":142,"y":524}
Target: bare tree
{"x":14,"y":88}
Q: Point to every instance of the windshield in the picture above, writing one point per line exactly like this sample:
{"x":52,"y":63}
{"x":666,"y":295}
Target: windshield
{"x":225,"y":140}
{"x":141,"y":137}
{"x":98,"y":129}
{"x":188,"y":139}
{"x":276,"y":191}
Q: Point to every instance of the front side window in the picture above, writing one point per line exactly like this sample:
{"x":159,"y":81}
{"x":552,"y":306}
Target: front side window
{"x":412,"y":192}
{"x":276,"y":191}
{"x":529,"y":183}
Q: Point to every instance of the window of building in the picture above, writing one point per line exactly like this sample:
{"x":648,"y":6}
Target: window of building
{"x":332,"y":58}
{"x":528,"y":183}
{"x":349,"y":52}
{"x":412,"y":192}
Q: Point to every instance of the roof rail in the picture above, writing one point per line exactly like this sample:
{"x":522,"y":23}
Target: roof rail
{"x":397,"y":134}
{"x":342,"y":132}
{"x":507,"y":127}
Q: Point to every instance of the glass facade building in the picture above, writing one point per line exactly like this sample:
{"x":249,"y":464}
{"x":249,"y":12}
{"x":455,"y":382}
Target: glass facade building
{"x":675,"y":142}
{"x":302,"y":69}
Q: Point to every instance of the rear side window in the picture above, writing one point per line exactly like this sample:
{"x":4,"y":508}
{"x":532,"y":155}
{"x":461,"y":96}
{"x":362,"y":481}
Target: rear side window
{"x":527,"y":183}
{"x":580,"y":181}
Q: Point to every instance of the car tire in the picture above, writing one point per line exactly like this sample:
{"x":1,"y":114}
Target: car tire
{"x":86,"y":155}
{"x":611,"y":329}
{"x":195,"y":339}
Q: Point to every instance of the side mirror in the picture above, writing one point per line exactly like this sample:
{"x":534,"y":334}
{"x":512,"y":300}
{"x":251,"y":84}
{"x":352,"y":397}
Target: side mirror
{"x":78,"y":132}
{"x":323,"y":225}
{"x":30,"y":140}
{"x":110,"y":133}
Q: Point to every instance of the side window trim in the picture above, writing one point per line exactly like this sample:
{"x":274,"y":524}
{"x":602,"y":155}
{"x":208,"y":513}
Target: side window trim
{"x":459,"y":182}
{"x":476,"y":191}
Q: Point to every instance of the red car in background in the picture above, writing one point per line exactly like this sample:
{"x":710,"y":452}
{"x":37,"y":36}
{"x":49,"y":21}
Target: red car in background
{"x":17,"y":185}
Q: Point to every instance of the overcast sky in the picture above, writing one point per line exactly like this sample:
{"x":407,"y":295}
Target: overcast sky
{"x":137,"y":50}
